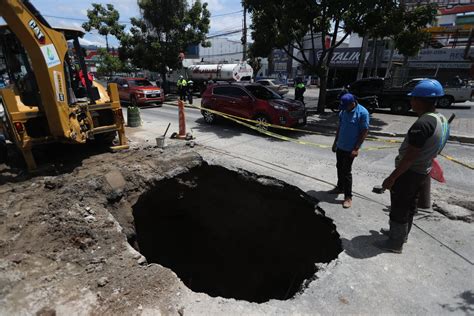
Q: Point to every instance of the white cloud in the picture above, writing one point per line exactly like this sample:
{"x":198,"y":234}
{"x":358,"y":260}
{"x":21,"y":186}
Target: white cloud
{"x":215,"y":5}
{"x":84,"y":41}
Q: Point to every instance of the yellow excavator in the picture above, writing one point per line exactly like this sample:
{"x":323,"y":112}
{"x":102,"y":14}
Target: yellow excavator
{"x":46,"y":92}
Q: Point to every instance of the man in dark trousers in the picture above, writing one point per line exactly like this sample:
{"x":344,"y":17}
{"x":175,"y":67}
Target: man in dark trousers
{"x":424,"y":141}
{"x":299,"y":90}
{"x":182,"y":85}
{"x":351,"y":133}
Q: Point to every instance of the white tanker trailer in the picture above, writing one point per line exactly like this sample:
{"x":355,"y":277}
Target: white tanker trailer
{"x":220,"y":72}
{"x":202,"y":74}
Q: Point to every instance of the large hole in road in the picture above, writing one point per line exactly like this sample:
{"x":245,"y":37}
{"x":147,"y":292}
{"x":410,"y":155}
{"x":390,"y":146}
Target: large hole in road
{"x":234,"y":234}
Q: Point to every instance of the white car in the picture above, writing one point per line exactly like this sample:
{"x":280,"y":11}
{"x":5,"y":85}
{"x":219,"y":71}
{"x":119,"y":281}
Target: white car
{"x":452,"y":94}
{"x":273,"y":85}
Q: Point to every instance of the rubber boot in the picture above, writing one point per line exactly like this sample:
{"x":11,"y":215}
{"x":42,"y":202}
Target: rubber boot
{"x":396,"y":238}
{"x":386,"y":231}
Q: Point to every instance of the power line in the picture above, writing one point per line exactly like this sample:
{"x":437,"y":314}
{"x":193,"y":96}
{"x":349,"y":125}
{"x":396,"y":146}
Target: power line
{"x":225,"y":34}
{"x":227,"y":29}
{"x":76,"y":19}
{"x":225,"y":14}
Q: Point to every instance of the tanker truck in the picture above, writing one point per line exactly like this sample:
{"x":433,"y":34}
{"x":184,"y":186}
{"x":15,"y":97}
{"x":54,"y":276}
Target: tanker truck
{"x":202,"y":74}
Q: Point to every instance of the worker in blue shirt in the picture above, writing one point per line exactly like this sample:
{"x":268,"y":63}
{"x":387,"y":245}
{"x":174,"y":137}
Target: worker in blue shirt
{"x":351,"y":133}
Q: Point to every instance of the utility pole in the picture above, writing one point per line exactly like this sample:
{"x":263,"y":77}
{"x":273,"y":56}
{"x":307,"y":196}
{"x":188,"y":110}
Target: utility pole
{"x":244,"y":33}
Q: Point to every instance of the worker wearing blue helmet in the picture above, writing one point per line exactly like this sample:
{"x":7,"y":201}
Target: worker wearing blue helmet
{"x":424,"y":141}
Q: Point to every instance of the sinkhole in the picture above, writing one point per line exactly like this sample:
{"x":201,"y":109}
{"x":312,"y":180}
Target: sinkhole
{"x":234,"y":234}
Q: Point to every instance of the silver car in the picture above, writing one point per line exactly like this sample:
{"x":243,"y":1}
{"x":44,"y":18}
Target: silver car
{"x":281,"y":89}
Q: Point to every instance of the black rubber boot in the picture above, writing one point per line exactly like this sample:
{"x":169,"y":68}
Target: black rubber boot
{"x":386,"y":231}
{"x":397,"y":235}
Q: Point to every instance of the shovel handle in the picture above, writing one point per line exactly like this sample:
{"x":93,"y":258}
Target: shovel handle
{"x":169,"y":124}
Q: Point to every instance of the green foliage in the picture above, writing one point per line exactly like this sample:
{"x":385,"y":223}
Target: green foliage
{"x":105,"y":20}
{"x":391,"y":20}
{"x":165,"y":29}
{"x":109,"y":64}
{"x":285,"y":24}
{"x":254,"y":61}
{"x":411,"y":36}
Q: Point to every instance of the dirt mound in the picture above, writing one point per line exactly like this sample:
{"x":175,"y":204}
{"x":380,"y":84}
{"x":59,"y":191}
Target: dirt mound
{"x":62,"y":249}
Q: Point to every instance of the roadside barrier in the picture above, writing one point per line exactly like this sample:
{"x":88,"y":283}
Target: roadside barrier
{"x":242,"y":121}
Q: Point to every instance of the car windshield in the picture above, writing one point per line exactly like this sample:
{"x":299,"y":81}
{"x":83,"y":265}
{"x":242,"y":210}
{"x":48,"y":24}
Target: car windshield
{"x":263,"y":93}
{"x":140,"y":83}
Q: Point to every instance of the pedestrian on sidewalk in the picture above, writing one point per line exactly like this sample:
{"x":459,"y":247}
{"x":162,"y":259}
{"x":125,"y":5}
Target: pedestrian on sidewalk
{"x":351,"y":133}
{"x":424,"y":141}
{"x":300,"y":90}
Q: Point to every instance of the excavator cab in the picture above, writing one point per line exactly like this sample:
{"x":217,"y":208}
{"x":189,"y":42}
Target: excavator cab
{"x":47,"y":93}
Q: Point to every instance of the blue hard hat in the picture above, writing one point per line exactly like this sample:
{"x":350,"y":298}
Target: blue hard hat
{"x":428,"y":88}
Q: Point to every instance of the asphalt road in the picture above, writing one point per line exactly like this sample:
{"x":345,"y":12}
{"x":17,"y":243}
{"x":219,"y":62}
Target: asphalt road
{"x":376,"y":164}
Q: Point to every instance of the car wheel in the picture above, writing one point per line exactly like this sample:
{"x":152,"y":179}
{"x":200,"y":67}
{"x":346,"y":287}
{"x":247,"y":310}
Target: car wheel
{"x":209,"y":117}
{"x":445,"y":102}
{"x":262,"y":120}
{"x":335,"y":107}
{"x":133,"y":101}
{"x":399,"y":107}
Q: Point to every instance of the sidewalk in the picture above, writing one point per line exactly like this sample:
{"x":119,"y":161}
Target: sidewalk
{"x":390,"y":125}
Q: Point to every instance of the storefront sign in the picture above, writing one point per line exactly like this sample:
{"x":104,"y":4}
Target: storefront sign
{"x":432,"y":54}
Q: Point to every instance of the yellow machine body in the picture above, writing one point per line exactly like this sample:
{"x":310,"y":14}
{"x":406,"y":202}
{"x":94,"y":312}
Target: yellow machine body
{"x":57,"y":116}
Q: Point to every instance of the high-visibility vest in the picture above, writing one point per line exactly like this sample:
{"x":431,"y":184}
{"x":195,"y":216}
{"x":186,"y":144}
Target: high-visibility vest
{"x":182,"y":83}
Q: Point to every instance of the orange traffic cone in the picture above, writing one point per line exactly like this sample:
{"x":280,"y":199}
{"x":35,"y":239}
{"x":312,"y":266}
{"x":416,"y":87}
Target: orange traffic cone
{"x":182,"y":121}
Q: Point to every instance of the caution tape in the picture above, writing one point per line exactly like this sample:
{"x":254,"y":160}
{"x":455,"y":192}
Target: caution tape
{"x":242,"y":121}
{"x":464,"y":164}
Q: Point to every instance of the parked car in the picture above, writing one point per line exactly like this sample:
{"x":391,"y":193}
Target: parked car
{"x":281,"y":89}
{"x":139,"y":91}
{"x":453,"y":93}
{"x":252,"y":101}
{"x":395,"y":98}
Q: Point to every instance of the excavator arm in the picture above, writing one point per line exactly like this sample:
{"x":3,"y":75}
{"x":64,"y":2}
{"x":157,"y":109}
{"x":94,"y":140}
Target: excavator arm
{"x":50,"y":110}
{"x":47,"y":51}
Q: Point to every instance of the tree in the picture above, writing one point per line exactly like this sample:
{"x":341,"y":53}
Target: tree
{"x":295,"y":26}
{"x":109,"y":64}
{"x":165,"y":29}
{"x":330,"y":22}
{"x":405,"y":28}
{"x":254,"y":61}
{"x":105,"y":20}
{"x":411,"y":36}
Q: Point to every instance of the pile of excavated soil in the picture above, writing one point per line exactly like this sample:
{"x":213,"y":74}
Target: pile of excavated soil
{"x":67,"y":232}
{"x":63,"y":235}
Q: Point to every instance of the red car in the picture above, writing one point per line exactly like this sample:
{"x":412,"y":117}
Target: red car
{"x":252,"y":101}
{"x":139,"y":91}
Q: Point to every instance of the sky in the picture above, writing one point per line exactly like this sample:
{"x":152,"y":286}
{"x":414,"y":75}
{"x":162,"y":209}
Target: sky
{"x":73,"y":13}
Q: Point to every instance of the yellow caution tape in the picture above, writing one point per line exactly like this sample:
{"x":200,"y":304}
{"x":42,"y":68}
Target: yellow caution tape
{"x":464,"y":164}
{"x":242,"y":121}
